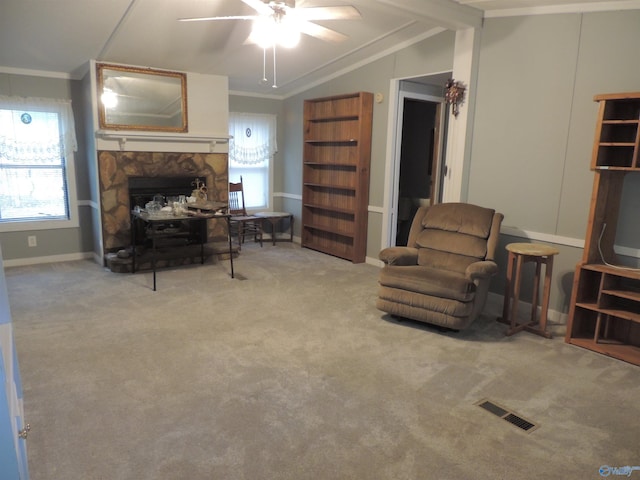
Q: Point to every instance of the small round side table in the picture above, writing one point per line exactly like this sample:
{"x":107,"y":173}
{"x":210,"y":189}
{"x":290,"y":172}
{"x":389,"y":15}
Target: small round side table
{"x":519,"y":254}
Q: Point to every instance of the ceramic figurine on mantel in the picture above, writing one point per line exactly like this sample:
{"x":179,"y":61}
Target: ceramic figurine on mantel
{"x":200,"y":192}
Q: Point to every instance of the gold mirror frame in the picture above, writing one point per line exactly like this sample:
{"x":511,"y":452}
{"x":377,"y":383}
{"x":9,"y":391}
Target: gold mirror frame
{"x":145,"y":99}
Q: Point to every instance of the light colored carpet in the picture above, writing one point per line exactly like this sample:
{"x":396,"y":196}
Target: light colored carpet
{"x":289,"y":372}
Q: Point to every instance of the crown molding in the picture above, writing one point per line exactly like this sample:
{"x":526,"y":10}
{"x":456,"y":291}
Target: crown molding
{"x":566,"y":8}
{"x":240,"y":93}
{"x":37,"y":73}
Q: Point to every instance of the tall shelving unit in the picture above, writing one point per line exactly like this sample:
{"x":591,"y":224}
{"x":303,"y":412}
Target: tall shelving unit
{"x":605,"y":304}
{"x":336,"y":161}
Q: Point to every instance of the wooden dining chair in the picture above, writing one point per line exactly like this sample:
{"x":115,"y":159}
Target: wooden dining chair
{"x":241,"y":223}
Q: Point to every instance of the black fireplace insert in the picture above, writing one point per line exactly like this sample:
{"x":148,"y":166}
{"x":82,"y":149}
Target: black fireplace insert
{"x":144,"y":189}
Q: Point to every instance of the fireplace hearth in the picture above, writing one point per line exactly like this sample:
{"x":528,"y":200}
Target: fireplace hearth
{"x":151,"y":173}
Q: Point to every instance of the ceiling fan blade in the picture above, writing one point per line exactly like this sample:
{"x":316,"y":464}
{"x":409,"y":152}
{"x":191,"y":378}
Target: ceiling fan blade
{"x":259,"y":6}
{"x":327,"y":13}
{"x":207,"y":19}
{"x":323,"y":33}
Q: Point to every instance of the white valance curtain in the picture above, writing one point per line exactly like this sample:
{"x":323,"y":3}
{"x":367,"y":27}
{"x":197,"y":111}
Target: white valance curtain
{"x":253,"y":138}
{"x":47,"y":142}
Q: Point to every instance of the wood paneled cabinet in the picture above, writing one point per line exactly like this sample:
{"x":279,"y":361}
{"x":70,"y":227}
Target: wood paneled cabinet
{"x":605,"y":304}
{"x":336,"y":161}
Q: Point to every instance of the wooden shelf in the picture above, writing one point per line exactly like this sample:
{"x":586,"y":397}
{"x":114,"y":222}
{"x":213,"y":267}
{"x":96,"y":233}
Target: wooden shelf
{"x":329,"y":185}
{"x":620,"y":169}
{"x":331,"y":164}
{"x":348,"y":211}
{"x":617,"y":144}
{"x":330,"y":229}
{"x":336,"y":160}
{"x":617,"y":313}
{"x":627,"y":353}
{"x":331,"y":141}
{"x":334,"y":248}
{"x":334,"y":118}
{"x":635,"y":296}
{"x":604,"y":314}
{"x":622,"y":272}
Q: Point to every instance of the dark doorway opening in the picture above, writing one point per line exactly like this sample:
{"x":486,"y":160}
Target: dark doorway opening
{"x":418,"y":162}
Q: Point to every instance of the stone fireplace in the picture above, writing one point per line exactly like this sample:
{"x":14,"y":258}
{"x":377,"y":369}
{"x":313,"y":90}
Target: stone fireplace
{"x":115,"y":169}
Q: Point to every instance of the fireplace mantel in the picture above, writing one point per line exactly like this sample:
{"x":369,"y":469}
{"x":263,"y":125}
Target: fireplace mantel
{"x":123,"y":136}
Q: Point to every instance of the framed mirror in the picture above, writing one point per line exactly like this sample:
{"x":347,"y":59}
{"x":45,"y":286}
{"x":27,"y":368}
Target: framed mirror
{"x":131,"y":98}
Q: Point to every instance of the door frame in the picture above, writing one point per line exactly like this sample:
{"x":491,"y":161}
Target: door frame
{"x":394,"y":144}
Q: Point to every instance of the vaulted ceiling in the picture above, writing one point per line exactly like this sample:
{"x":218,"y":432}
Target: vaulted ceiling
{"x":60,"y":37}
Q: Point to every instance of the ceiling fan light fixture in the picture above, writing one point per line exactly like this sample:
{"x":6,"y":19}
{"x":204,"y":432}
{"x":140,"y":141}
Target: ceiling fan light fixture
{"x":263,"y":32}
{"x":287,"y":32}
{"x":270,"y":30}
{"x":280,"y":23}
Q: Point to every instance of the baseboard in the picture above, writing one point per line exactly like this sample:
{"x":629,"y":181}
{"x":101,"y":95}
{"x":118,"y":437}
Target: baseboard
{"x":495,"y":302}
{"x":67,"y":257}
{"x":374,"y":261}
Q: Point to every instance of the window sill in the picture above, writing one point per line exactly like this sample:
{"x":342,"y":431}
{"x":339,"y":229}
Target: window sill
{"x":30,"y":225}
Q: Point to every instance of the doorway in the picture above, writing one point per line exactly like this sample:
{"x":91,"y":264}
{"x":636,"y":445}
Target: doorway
{"x":418,"y":169}
{"x":418,"y":161}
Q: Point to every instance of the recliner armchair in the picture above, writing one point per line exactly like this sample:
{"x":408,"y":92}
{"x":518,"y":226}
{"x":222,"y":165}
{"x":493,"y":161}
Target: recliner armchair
{"x":442,"y":276}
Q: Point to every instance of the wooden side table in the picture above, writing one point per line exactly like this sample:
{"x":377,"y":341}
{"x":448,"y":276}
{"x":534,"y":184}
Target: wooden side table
{"x":274,"y":218}
{"x":519,"y":254}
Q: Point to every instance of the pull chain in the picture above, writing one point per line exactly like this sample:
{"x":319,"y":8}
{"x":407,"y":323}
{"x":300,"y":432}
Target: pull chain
{"x":264,"y":66}
{"x":275,"y":82}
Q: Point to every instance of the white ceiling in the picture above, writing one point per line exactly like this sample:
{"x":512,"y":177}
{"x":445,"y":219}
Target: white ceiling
{"x":60,"y":37}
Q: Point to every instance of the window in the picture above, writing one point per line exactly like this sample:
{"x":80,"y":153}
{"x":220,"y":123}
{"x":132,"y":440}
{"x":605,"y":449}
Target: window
{"x":37,"y":141}
{"x":251,"y":151}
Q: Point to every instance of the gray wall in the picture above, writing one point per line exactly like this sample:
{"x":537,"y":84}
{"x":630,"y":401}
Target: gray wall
{"x":63,"y":241}
{"x":534,"y":125}
{"x":433,"y":55}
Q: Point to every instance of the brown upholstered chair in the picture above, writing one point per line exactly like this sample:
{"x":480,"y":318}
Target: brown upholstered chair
{"x":442,"y":276}
{"x":240,"y":222}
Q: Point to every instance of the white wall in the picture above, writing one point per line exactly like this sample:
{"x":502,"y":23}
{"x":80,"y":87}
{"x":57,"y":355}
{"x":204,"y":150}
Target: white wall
{"x":207,"y":119}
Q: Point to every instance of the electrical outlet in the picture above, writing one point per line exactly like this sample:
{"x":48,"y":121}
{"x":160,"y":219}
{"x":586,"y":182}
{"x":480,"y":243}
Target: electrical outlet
{"x":32,"y":241}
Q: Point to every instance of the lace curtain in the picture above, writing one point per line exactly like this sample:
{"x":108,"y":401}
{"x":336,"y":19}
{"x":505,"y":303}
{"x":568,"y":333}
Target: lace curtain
{"x":254,"y":138}
{"x":47,"y":144}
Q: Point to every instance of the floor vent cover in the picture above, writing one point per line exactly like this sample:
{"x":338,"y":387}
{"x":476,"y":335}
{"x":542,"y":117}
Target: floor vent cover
{"x":506,"y":414}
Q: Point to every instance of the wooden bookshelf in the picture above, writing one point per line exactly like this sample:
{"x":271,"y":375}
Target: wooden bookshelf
{"x":336,"y":161}
{"x":605,"y":302}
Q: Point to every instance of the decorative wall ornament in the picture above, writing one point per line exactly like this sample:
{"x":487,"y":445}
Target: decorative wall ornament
{"x":454,"y":95}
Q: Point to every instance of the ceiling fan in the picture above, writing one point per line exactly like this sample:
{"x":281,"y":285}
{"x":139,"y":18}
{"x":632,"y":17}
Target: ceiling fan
{"x":279,"y":21}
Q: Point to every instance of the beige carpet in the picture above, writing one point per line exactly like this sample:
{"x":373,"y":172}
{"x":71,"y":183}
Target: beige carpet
{"x":289,"y":372}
